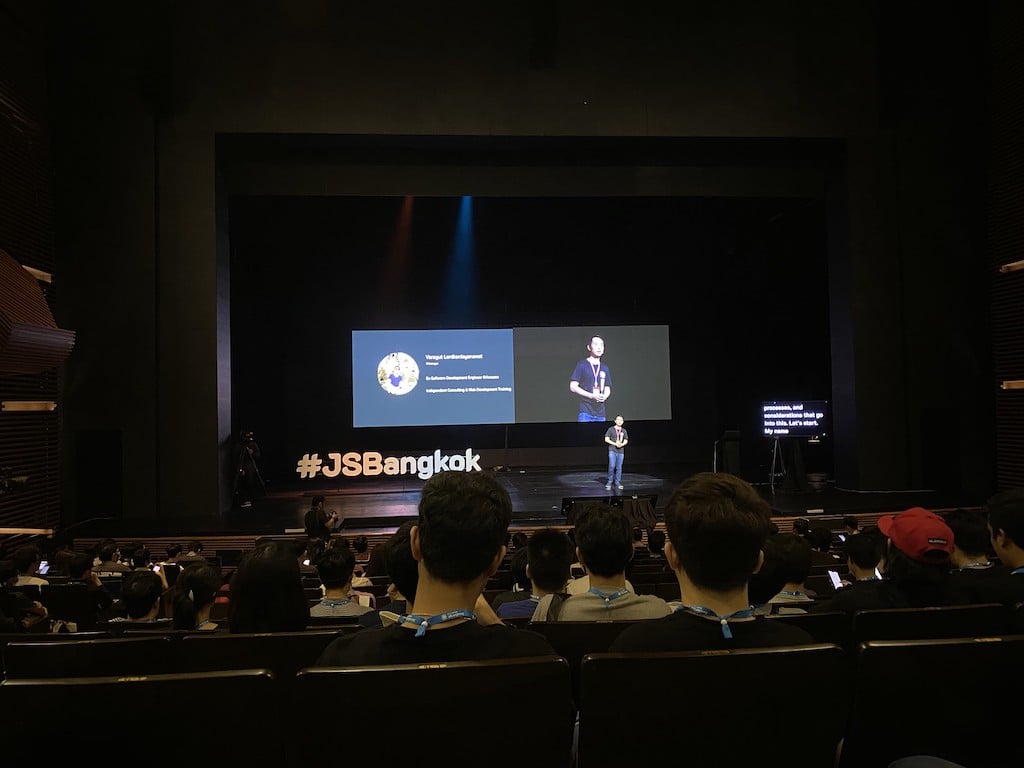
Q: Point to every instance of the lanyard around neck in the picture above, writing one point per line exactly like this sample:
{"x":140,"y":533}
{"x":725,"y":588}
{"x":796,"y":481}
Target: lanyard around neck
{"x":606,"y":597}
{"x":744,"y":613}
{"x":437,"y":618}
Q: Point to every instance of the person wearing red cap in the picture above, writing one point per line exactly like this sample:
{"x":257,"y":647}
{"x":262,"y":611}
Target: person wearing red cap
{"x":1005,"y":512}
{"x":917,"y":564}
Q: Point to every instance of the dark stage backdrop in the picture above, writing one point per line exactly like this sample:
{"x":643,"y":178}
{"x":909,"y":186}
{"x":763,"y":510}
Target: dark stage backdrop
{"x":741,"y":284}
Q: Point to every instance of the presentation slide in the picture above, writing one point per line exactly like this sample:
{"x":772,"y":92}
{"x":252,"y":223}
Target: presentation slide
{"x":505,"y":376}
{"x":794,"y":418}
{"x":423,"y":378}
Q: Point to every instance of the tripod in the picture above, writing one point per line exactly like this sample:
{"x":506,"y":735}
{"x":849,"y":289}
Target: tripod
{"x":778,"y":461}
{"x":249,"y":449}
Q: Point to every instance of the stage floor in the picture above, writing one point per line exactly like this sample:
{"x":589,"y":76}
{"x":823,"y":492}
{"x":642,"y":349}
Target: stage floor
{"x":538,"y":495}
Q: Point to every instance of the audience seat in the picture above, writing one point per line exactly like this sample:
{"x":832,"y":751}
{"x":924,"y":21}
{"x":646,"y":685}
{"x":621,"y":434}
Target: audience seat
{"x":931,"y":622}
{"x":284,"y":653}
{"x":574,"y":639}
{"x":503,"y":713}
{"x":953,"y":698}
{"x":783,"y":706}
{"x":90,"y":658}
{"x":824,"y":626}
{"x":151,"y":719}
{"x":44,"y":637}
{"x":70,"y":602}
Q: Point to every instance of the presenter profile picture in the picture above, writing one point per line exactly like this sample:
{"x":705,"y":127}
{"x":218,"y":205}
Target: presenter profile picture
{"x":398,"y":373}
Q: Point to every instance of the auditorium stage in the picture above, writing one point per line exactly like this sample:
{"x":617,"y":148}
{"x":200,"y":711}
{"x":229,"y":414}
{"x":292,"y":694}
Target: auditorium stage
{"x":539,"y":496}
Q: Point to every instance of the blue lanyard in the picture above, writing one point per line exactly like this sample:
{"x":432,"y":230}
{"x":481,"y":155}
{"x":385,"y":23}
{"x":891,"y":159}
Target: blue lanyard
{"x":608,"y":598}
{"x":744,"y":613}
{"x":438,"y":618}
{"x":334,"y":603}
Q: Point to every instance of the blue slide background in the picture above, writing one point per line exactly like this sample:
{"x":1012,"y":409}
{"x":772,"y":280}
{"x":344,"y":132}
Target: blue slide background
{"x":373,"y":407}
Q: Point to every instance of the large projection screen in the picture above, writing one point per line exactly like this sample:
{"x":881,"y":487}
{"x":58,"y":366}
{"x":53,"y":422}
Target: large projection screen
{"x":503,"y":375}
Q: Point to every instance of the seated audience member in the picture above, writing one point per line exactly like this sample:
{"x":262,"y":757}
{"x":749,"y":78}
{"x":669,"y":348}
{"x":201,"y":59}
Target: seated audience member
{"x":110,"y":563}
{"x":80,"y":572}
{"x":195,"y":591}
{"x":458,"y":542}
{"x":656,"y":544}
{"x":549,"y":556}
{"x":403,"y":569}
{"x":802,"y":526}
{"x":26,"y":559}
{"x":61,"y":557}
{"x":916,"y":554}
{"x":793,"y":566}
{"x":98,"y":547}
{"x":173,"y":553}
{"x":193,"y":555}
{"x":604,"y":546}
{"x":520,"y":581}
{"x":767,"y":580}
{"x":335,"y":567}
{"x":971,"y":544}
{"x":306,"y":552}
{"x":142,"y":558}
{"x":20,"y":611}
{"x":361,"y":548}
{"x":1005,"y":514}
{"x":851,"y":525}
{"x":266,"y":591}
{"x":863,"y":560}
{"x":717,"y":526}
{"x":820,"y":539}
{"x":377,"y":564}
{"x":141,"y":594}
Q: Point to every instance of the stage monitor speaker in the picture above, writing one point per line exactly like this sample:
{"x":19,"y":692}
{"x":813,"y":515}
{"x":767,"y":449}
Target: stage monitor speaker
{"x":639,"y":509}
{"x":569,"y":505}
{"x":729,"y":452}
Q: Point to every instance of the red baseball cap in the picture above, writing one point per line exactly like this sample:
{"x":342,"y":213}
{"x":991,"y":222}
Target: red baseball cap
{"x":919,"y":534}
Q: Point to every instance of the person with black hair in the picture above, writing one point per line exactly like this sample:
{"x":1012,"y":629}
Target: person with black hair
{"x":591,"y":382}
{"x":548,"y":558}
{"x":266,"y":591}
{"x":335,"y":567}
{"x":520,"y":582}
{"x":19,"y":611}
{"x":458,"y":542}
{"x":319,"y":522}
{"x":604,"y":546}
{"x":971,"y":545}
{"x":1005,"y":516}
{"x":80,"y":572}
{"x":793,"y":566}
{"x":403,"y":569}
{"x":27,"y":559}
{"x":916,"y":553}
{"x":140,"y":599}
{"x":717,"y":528}
{"x":194,"y":594}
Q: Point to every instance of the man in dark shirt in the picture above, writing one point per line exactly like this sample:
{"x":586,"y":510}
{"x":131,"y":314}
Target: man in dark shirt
{"x":916,"y":557}
{"x":1005,"y":513}
{"x":717,"y":526}
{"x":459,"y":542}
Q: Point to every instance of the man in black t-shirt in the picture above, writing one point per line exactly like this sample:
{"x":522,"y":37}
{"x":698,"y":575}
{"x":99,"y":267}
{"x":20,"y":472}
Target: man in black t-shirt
{"x":459,"y":542}
{"x":717,"y":527}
